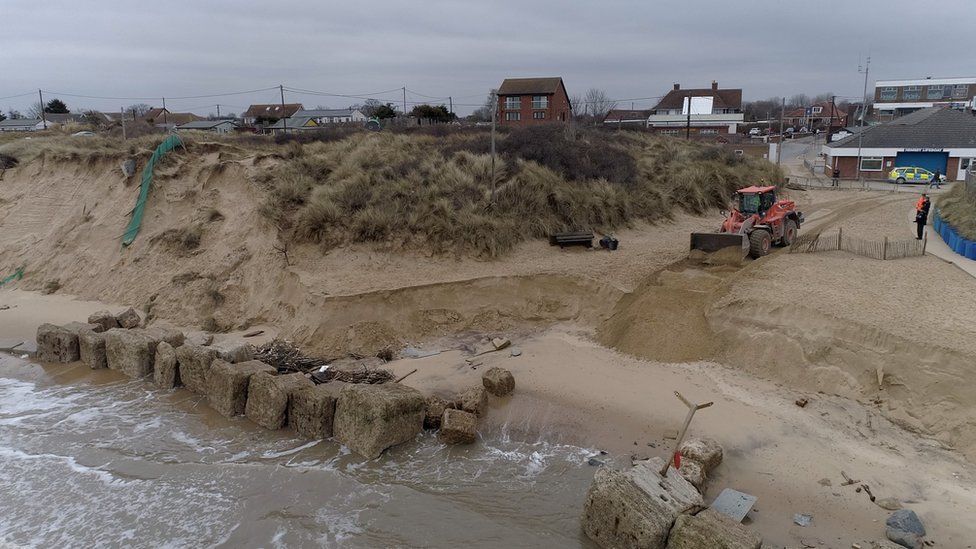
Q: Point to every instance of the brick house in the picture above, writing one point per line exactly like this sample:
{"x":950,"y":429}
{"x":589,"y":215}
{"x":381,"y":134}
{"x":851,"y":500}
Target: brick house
{"x":712,"y":111}
{"x":894,"y":98}
{"x":819,"y":115}
{"x":269,"y":113}
{"x":527,"y":101}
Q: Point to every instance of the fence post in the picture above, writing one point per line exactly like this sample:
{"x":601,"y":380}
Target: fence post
{"x":925,"y":240}
{"x":840,"y":231}
{"x":884,"y":253}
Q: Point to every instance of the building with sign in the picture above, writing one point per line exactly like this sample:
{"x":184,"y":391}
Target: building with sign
{"x":704,"y":112}
{"x":937,"y":139}
{"x":894,"y":98}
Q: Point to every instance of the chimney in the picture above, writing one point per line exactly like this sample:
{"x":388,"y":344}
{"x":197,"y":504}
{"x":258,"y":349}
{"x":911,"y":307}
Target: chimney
{"x":677,"y":87}
{"x":715,"y":85}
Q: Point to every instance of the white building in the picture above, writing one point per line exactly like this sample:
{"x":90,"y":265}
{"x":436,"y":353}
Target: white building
{"x":331,"y":116}
{"x":893,"y":98}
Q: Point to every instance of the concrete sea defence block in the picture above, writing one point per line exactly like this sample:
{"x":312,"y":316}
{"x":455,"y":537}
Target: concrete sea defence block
{"x":498,"y":381}
{"x":458,"y":427}
{"x":104,"y":319}
{"x":235,"y":352}
{"x":91,"y":349}
{"x":371,"y":418}
{"x":474,"y":400}
{"x":711,"y":529}
{"x":166,"y":374}
{"x":268,"y":396}
{"x":637,"y":508}
{"x":194,"y":363}
{"x":227,"y":384}
{"x":128,"y":319}
{"x":705,"y":451}
{"x":130,"y":352}
{"x":170,"y":335}
{"x":435,"y":411}
{"x":311,"y":409}
{"x":57,"y":344}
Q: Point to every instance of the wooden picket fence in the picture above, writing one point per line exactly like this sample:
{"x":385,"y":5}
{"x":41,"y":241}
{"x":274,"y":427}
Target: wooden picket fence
{"x":875,"y":249}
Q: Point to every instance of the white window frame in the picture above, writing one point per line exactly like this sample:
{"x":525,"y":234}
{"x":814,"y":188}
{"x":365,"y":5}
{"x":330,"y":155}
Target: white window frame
{"x":513,"y":116}
{"x":538,"y":115}
{"x":513,"y":103}
{"x":670,"y":132}
{"x":911,"y":93}
{"x":540,"y":101}
{"x":872,"y":159}
{"x":816,"y":110}
{"x":889,"y":93}
{"x":960,"y":91}
{"x":708,"y":131}
{"x":940,"y":90}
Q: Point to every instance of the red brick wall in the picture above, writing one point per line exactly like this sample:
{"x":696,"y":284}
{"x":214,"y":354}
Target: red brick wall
{"x":557,"y":111}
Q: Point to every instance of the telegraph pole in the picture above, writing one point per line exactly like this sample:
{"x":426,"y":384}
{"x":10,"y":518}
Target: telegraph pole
{"x":404,"y":101}
{"x":864,"y":112}
{"x":218,"y":111}
{"x":284,"y":119}
{"x":43,"y":115}
{"x":779,"y":148}
{"x":494,"y":109}
{"x":122,"y":115}
{"x":450,"y":101}
{"x":164,"y":111}
{"x":688,"y":123}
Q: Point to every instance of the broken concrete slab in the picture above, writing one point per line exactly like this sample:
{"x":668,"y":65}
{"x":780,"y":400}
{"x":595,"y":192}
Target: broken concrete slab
{"x":234,"y":352}
{"x":170,"y":335}
{"x":194,"y":363}
{"x":435,"y":410}
{"x":91,"y":349}
{"x":636,"y":508}
{"x":371,"y":418}
{"x":706,"y":451}
{"x":311,"y":409}
{"x":130,"y":352}
{"x":268,"y":396}
{"x":458,"y":427}
{"x":28,"y":347}
{"x":76,"y":327}
{"x":227,"y":384}
{"x":474,"y":400}
{"x":128,"y":319}
{"x":199,"y":338}
{"x":166,"y":373}
{"x":693,"y":472}
{"x":734,"y":504}
{"x":57,"y":344}
{"x":498,"y":381}
{"x":711,"y":529}
{"x":105,"y":319}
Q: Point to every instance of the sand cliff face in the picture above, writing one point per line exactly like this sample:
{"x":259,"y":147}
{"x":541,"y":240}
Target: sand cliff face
{"x":207,"y":258}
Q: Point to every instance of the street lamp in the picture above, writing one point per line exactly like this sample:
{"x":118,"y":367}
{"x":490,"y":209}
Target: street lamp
{"x":864,"y":110}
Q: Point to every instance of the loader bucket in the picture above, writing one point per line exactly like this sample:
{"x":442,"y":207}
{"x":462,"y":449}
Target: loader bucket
{"x":724,"y":248}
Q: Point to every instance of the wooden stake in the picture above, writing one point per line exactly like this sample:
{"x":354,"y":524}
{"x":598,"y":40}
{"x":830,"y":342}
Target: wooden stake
{"x":692,"y":408}
{"x":884,"y":253}
{"x":840,"y":231}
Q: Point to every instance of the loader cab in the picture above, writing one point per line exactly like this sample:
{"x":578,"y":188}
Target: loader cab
{"x":755,"y":200}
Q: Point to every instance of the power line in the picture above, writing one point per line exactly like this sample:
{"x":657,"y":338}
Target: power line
{"x":16,"y":96}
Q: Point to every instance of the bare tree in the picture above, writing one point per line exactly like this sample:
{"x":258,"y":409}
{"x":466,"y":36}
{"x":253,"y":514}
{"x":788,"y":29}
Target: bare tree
{"x":35,"y":110}
{"x":138,"y":109}
{"x":597,"y":104}
{"x":483,"y":113}
{"x":798,"y":100}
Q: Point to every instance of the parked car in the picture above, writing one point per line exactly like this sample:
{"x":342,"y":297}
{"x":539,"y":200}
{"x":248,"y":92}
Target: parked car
{"x":754,"y":132}
{"x":912,"y":174}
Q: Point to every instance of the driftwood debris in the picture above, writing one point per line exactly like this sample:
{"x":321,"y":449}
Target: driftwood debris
{"x":288,"y":358}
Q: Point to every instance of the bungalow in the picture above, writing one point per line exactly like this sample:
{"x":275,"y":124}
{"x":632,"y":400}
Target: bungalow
{"x":934,"y":138}
{"x":21,"y":125}
{"x":331,"y":116}
{"x":268,"y":113}
{"x":620,"y":117}
{"x":527,"y":101}
{"x":215,"y":126}
{"x":293,"y":123}
{"x":163,"y":118}
{"x":706,"y":111}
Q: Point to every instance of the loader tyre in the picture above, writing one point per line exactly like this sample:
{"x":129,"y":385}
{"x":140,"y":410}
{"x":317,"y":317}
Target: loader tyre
{"x":759,"y":243}
{"x":789,"y":233}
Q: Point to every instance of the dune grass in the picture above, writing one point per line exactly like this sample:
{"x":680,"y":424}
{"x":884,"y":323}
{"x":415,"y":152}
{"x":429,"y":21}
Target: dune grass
{"x":958,"y":208}
{"x":435,"y":192}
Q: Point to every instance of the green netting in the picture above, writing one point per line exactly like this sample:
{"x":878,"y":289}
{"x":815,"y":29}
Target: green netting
{"x":169,"y":144}
{"x":18,"y":274}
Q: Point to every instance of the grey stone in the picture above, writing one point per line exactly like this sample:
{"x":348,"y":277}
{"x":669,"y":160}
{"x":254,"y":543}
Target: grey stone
{"x":891,"y":504}
{"x":371,"y":418}
{"x":693,"y":472}
{"x":104,"y":319}
{"x":458,"y":427}
{"x":170,"y":335}
{"x":130,"y":352}
{"x":311,"y":409}
{"x":75,"y":327}
{"x":91,"y":348}
{"x":474,"y":400}
{"x":8,"y":345}
{"x":711,"y":529}
{"x":498,"y":381}
{"x":199,"y":338}
{"x":28,"y":347}
{"x":194,"y":363}
{"x":57,"y":344}
{"x":904,"y":539}
{"x":227,"y":384}
{"x":235,"y":352}
{"x":166,"y":371}
{"x":268,"y":396}
{"x":884,"y":544}
{"x":128,"y":318}
{"x":907,"y":521}
{"x":705,"y":451}
{"x":435,"y":410}
{"x":637,"y":508}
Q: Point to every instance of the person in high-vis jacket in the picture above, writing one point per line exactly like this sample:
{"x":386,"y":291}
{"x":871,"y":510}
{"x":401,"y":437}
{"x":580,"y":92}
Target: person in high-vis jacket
{"x":921,"y":215}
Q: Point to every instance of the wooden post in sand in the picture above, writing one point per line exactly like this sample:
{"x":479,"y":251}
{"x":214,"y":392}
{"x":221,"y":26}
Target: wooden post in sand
{"x":692,"y":408}
{"x":840,"y":231}
{"x":925,"y":240}
{"x":884,"y":252}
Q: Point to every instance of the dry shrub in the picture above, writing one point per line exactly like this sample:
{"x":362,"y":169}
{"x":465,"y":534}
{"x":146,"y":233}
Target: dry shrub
{"x":575,"y":154}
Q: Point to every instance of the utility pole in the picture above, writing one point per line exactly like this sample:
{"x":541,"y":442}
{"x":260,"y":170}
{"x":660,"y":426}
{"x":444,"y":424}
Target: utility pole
{"x":43,"y":115}
{"x":284,"y":119}
{"x":122,"y":114}
{"x":688,"y":123}
{"x":830,"y":128}
{"x":450,"y":101}
{"x":218,"y":110}
{"x":164,"y":111}
{"x":404,"y":101}
{"x":494,"y":109}
{"x":864,"y":112}
{"x":779,"y":148}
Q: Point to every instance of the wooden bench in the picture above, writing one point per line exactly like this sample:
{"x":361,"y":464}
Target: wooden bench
{"x":571,"y":239}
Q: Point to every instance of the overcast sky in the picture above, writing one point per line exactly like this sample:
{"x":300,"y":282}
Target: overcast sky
{"x":136,"y":51}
